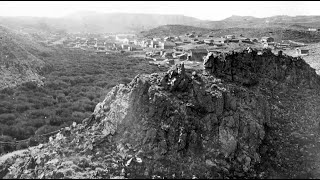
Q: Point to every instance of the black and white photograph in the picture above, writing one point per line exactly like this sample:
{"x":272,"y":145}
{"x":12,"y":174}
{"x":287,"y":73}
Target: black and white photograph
{"x":159,"y":89}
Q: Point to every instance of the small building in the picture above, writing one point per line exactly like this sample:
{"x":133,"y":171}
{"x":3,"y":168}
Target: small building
{"x":191,"y":36}
{"x":179,"y":43}
{"x":182,"y":57}
{"x":167,"y":45}
{"x":91,"y":43}
{"x":124,"y":46}
{"x":101,"y":48}
{"x":254,"y":40}
{"x":99,"y":43}
{"x":171,"y":62}
{"x":167,"y":54}
{"x":230,"y":36}
{"x":234,"y":40}
{"x":200,"y":42}
{"x":154,"y":44}
{"x":282,"y":45}
{"x":136,"y":42}
{"x":245,"y":40}
{"x":208,"y":41}
{"x":221,"y":40}
{"x":169,"y":38}
{"x":157,"y":39}
{"x":186,"y":41}
{"x":175,"y":54}
{"x":265,"y":45}
{"x":267,"y":39}
{"x":145,"y":43}
{"x":312,"y":29}
{"x":302,"y":52}
{"x":178,"y":48}
{"x":133,"y":47}
{"x":197,"y":54}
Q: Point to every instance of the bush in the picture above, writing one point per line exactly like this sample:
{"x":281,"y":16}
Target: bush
{"x":22,"y":108}
{"x":55,"y":121}
{"x":29,"y":86}
{"x":36,"y":122}
{"x":7,"y":118}
{"x":46,"y":129}
{"x":42,"y":113}
{"x":22,"y":145}
{"x":8,"y":91}
{"x":6,"y":107}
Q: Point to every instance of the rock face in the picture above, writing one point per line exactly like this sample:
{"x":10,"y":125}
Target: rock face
{"x":250,"y":67}
{"x":175,"y":124}
{"x":179,"y":115}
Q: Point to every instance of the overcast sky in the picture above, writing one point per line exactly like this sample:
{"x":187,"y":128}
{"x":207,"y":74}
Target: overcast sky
{"x":205,"y":10}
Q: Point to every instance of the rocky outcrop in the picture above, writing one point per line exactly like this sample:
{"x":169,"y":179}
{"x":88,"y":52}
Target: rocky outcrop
{"x":250,"y":67}
{"x":175,"y":124}
{"x":183,"y":115}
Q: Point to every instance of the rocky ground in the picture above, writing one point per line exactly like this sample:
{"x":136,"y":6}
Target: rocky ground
{"x":292,"y":145}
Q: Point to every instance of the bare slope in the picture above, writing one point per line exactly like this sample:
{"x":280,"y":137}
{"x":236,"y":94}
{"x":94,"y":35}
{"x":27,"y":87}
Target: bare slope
{"x":173,"y":30}
{"x":17,"y":65}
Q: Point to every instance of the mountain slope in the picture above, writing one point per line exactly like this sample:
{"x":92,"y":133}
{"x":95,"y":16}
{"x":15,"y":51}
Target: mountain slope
{"x":173,"y":30}
{"x":17,"y":65}
{"x":93,"y":22}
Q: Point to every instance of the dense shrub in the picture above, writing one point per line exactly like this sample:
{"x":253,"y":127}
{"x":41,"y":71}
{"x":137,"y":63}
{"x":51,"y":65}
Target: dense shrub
{"x":22,"y":145}
{"x":22,"y":107}
{"x":7,"y":118}
{"x":74,"y":83}
{"x":6,"y":107}
{"x":46,"y":129}
{"x":7,"y":91}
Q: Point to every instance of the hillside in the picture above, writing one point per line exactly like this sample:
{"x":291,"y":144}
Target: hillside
{"x":93,"y":22}
{"x":277,"y":33}
{"x":296,"y":22}
{"x":173,"y":30}
{"x":17,"y":64}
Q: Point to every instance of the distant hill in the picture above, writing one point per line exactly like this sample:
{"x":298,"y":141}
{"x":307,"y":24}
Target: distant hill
{"x":93,"y":22}
{"x":289,"y":22}
{"x":17,"y":64}
{"x":295,"y":34}
{"x":173,"y":30}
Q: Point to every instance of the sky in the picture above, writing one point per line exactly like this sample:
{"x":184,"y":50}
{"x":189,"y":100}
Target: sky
{"x":204,"y":10}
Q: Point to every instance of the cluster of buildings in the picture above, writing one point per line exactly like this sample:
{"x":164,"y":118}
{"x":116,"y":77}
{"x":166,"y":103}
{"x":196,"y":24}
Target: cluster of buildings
{"x":194,"y":46}
{"x":313,"y":29}
{"x":190,"y":46}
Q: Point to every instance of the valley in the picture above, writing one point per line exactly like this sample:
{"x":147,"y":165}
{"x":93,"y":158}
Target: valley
{"x":94,"y":95}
